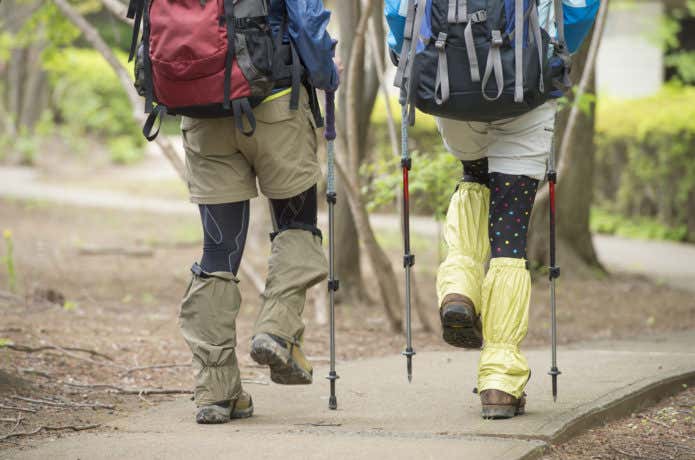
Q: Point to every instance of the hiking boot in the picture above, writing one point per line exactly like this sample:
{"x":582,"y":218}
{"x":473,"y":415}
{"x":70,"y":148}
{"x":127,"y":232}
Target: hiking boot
{"x":222,"y":412}
{"x":461,"y":326}
{"x":500,"y":405}
{"x":288,"y":365}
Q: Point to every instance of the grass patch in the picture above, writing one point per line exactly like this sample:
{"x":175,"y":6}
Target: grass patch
{"x":642,"y":228}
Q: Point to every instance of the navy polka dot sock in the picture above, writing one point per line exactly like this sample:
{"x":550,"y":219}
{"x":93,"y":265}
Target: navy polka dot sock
{"x":476,"y":171}
{"x":511,"y":202}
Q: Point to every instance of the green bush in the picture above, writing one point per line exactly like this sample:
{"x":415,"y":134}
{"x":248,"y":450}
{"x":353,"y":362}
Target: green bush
{"x":435,"y":171}
{"x":424,"y":136}
{"x":645,"y":228}
{"x":646,"y":156}
{"x":88,"y":99}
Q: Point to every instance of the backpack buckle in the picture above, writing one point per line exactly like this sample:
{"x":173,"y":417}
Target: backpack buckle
{"x":440,"y":44}
{"x":497,"y":40}
{"x":478,"y":16}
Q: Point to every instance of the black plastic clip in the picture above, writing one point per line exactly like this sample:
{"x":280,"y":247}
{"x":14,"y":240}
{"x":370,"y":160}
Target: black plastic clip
{"x":331,"y":198}
{"x":552,"y":176}
{"x":406,"y":163}
{"x":409,"y":260}
{"x":198,"y":271}
{"x":333,"y":285}
{"x":554,"y":273}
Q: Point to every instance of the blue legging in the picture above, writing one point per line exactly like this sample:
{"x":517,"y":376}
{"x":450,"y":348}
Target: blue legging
{"x":226,"y":226}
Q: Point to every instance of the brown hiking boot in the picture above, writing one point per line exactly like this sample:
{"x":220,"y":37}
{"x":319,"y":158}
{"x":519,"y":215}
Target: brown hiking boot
{"x":224,"y":411}
{"x":288,"y":365}
{"x":500,"y":405}
{"x":461,"y":327}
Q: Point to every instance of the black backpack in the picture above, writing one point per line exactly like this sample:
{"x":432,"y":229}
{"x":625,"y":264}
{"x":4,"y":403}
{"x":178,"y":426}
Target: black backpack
{"x":478,"y":65}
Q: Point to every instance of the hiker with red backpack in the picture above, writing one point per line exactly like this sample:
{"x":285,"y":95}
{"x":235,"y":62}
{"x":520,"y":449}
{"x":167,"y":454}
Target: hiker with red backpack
{"x":243,"y":74}
{"x":490,"y":72}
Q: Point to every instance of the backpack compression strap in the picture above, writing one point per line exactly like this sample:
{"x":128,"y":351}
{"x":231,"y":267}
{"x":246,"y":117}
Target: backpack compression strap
{"x":442,"y":84}
{"x":458,"y":11}
{"x":138,"y":11}
{"x":403,"y":80}
{"x":229,"y":19}
{"x":135,"y":9}
{"x":494,"y":63}
{"x":518,"y":50}
{"x":535,"y":25}
{"x":562,"y":50}
{"x":242,"y":108}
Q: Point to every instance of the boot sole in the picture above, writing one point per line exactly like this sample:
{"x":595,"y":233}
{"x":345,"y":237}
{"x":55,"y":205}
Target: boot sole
{"x":281,"y":371}
{"x":210,"y":416}
{"x":494,"y":412}
{"x":459,"y":330}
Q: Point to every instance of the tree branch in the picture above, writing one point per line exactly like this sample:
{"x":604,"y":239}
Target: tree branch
{"x":48,"y":428}
{"x":118,"y":9}
{"x":379,"y":65}
{"x":92,"y":36}
{"x":353,"y":98}
{"x":583,"y":84}
{"x":383,"y":269}
{"x":27,"y":349}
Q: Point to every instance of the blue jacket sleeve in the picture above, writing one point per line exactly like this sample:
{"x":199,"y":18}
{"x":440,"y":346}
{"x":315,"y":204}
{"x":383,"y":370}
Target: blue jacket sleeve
{"x":394,"y":10}
{"x":579,"y":18}
{"x":308,"y":20}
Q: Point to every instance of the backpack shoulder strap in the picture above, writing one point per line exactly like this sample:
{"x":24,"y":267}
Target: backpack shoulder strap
{"x":135,"y":10}
{"x":411,"y":36}
{"x":560,"y":23}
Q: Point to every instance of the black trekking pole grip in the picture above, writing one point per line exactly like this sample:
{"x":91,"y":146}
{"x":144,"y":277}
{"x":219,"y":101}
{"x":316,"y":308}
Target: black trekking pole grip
{"x":329,"y":132}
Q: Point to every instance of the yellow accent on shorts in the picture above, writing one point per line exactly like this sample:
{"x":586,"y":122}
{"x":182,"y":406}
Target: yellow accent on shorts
{"x":277,"y":95}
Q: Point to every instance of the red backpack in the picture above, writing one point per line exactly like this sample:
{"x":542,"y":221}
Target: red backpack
{"x":210,"y":59}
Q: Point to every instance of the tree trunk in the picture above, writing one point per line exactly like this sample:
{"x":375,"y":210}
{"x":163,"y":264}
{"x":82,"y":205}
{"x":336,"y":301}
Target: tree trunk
{"x":92,"y":36}
{"x":347,"y":252}
{"x":575,"y":178}
{"x":381,"y":264}
{"x":690,"y":218}
{"x":24,"y":80}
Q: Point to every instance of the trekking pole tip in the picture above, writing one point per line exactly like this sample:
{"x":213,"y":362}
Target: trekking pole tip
{"x":333,"y":403}
{"x":409,"y":353}
{"x":554,"y":372}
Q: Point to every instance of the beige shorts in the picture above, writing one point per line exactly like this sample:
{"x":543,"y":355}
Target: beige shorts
{"x":518,"y":146}
{"x":222,"y":164}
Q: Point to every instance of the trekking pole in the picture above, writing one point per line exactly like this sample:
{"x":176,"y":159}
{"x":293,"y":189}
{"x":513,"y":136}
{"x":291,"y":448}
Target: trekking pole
{"x":554,"y":269}
{"x":408,"y":258}
{"x":331,"y":198}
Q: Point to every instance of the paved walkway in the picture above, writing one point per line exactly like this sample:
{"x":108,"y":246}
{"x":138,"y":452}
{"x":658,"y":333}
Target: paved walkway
{"x":382,"y":416}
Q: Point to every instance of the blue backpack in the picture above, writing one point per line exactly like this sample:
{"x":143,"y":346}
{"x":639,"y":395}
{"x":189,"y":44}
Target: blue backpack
{"x":484,"y":60}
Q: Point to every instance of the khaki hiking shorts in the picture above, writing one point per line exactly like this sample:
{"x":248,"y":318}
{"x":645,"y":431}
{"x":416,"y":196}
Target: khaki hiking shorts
{"x":518,"y":146}
{"x":222,"y":164}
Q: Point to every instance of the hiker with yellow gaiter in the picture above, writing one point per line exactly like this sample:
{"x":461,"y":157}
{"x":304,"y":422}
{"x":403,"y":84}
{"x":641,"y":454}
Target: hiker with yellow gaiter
{"x":489,"y":71}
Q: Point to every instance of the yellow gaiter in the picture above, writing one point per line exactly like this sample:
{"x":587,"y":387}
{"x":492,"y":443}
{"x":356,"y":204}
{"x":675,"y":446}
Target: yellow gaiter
{"x":468,"y":247}
{"x":505,"y":308}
